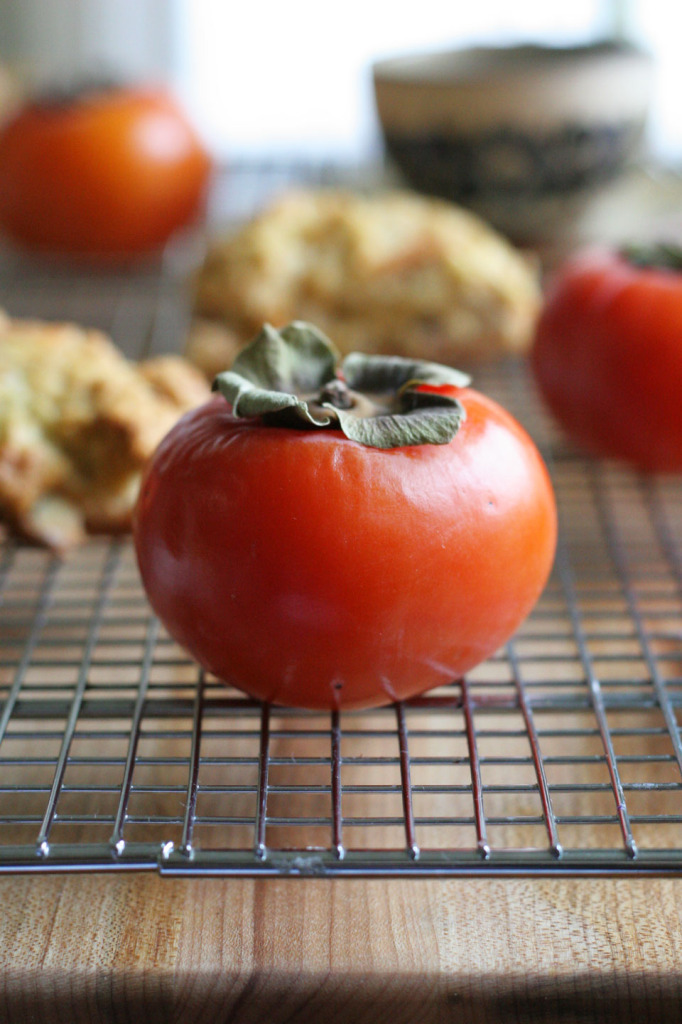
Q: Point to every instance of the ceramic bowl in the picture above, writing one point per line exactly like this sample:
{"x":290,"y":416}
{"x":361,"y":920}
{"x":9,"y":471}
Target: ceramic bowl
{"x":521,"y":134}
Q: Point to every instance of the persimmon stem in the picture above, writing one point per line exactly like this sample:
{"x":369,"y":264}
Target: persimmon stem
{"x":291,"y":377}
{"x":337,"y":393}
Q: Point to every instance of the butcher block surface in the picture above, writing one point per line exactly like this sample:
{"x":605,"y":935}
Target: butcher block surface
{"x":138,"y":947}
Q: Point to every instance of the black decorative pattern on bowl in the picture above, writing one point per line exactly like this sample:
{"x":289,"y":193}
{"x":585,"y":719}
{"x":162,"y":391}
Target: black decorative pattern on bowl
{"x":514,"y":163}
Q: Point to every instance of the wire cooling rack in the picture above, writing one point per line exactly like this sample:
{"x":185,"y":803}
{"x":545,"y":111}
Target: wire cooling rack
{"x":561,"y":754}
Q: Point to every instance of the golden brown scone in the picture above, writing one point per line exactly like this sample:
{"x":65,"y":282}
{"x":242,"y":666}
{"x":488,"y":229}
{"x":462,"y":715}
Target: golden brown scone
{"x":212,"y":346}
{"x":78,"y":422}
{"x":393,"y":272}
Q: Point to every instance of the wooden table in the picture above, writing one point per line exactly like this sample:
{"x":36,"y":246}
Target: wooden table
{"x":138,"y":947}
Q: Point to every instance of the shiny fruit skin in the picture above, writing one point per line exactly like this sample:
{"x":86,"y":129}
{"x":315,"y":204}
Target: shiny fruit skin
{"x":107,"y":173}
{"x":607,"y":358}
{"x":309,"y":570}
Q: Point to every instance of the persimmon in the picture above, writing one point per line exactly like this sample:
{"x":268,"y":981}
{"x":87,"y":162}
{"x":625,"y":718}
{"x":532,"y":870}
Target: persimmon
{"x":343,"y":539}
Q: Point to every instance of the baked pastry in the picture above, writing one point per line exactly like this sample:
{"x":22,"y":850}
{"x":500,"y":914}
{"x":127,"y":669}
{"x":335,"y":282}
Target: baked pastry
{"x":393,"y":272}
{"x":78,"y":422}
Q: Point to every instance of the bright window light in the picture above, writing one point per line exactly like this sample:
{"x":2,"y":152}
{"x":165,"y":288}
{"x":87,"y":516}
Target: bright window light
{"x":294,"y":78}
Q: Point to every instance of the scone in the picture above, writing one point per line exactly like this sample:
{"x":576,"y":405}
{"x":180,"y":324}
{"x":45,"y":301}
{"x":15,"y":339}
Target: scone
{"x":78,"y":422}
{"x":393,"y":272}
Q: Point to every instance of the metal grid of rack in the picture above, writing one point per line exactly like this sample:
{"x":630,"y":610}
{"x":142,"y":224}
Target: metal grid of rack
{"x":561,"y":754}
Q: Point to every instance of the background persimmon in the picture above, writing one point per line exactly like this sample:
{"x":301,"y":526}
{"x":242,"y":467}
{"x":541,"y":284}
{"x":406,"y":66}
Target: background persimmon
{"x":607,"y":354}
{"x":104,"y":172}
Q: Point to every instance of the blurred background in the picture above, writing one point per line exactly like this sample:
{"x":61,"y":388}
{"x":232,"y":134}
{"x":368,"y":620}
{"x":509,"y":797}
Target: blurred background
{"x":294,"y":79}
{"x":268,"y":82}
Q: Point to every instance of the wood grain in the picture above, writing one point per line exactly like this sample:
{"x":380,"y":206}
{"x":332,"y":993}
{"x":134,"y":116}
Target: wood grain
{"x":138,"y":947}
